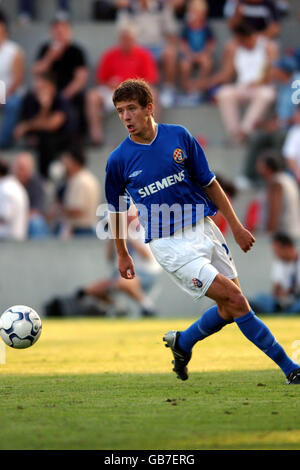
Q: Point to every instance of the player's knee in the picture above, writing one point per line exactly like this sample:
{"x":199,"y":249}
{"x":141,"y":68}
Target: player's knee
{"x":225,"y":93}
{"x":267,"y":94}
{"x":93,"y":96}
{"x":237,"y":304}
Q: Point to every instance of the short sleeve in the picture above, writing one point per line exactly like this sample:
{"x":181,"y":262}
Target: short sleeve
{"x":115,"y":187}
{"x":197,"y":164}
{"x":79,"y":59}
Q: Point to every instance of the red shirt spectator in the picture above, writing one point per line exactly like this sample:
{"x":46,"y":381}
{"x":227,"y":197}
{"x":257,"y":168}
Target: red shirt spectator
{"x":118,"y":65}
{"x":124,"y":61}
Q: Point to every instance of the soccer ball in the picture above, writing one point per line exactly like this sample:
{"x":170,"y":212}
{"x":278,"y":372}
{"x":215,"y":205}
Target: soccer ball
{"x":20,"y":326}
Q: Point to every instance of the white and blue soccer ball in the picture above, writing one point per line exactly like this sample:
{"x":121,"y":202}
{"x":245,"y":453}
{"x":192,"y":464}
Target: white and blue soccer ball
{"x":20,"y":326}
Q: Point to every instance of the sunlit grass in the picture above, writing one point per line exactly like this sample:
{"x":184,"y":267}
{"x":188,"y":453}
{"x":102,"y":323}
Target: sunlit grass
{"x":108,"y":384}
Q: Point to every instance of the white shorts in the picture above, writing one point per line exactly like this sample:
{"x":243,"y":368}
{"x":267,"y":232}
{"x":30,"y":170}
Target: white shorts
{"x":193,"y":257}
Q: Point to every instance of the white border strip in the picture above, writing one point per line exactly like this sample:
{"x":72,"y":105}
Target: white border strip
{"x":2,"y":353}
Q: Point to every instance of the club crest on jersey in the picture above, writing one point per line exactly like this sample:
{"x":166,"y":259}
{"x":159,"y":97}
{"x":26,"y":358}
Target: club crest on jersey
{"x":178,"y":156}
{"x":197,"y":282}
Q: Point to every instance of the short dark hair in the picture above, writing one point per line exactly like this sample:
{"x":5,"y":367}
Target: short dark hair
{"x":243,"y":29}
{"x":133,"y":89}
{"x":283,"y":239}
{"x":273,"y":162}
{"x":3,"y":18}
{"x":76,"y":153}
{"x":4,"y":167}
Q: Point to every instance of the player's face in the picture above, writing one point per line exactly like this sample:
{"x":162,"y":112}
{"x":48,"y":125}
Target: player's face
{"x":134,"y":117}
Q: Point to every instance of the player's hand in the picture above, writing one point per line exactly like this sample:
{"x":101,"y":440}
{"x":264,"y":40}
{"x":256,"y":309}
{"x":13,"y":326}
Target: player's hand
{"x":244,"y":239}
{"x":126,"y":267}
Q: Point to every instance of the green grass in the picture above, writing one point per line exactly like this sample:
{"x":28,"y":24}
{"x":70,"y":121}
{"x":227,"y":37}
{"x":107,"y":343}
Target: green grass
{"x":107,"y":384}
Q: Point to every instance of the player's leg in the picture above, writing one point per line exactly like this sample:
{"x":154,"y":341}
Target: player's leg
{"x":133,"y":288}
{"x":232,"y":305}
{"x":94,"y":114}
{"x":216,"y":317}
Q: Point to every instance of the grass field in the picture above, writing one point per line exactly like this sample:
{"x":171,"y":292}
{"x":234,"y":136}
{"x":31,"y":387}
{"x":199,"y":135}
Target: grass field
{"x":107,"y":384}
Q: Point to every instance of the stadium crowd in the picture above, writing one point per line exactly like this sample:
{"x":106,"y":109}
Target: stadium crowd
{"x":53,"y":120}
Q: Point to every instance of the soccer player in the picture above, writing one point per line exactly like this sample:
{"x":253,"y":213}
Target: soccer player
{"x":163,"y":169}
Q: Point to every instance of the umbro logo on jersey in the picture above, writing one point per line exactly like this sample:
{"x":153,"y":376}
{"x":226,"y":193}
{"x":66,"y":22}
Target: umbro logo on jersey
{"x":135,"y":173}
{"x":178,"y":156}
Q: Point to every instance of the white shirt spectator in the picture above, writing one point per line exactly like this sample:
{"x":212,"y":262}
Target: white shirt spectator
{"x":291,"y":147}
{"x":153,"y":23}
{"x":14,"y":209}
{"x":8,"y":53}
{"x":83,"y":192}
{"x":287,"y":275}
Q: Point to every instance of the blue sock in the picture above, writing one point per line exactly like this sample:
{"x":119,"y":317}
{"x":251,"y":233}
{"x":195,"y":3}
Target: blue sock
{"x":209,"y":323}
{"x":256,"y":331}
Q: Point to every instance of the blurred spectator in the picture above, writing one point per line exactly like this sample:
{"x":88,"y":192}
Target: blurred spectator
{"x":24,"y":171}
{"x":138,"y":289}
{"x":280,"y":201}
{"x":80,"y":198}
{"x":157,"y":32}
{"x":66,"y":60}
{"x":285,"y":277}
{"x":197,"y":46}
{"x":12,"y":65}
{"x":124,"y":61}
{"x":27,"y":10}
{"x":262,"y":15}
{"x":45,"y":121}
{"x":13,"y":206}
{"x":291,"y":147}
{"x":179,"y":8}
{"x":231,"y":191}
{"x":274,"y":129}
{"x":247,"y":58}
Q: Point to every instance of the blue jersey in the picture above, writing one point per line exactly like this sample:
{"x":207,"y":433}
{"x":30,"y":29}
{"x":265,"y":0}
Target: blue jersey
{"x":164,"y":179}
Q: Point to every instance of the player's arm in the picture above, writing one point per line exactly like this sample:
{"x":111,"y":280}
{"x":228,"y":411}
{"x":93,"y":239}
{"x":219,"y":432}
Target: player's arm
{"x":242,"y":236}
{"x":118,"y":226}
{"x":274,"y":198}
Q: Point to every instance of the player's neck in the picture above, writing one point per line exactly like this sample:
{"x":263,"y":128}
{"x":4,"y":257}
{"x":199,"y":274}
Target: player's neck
{"x":147,"y":135}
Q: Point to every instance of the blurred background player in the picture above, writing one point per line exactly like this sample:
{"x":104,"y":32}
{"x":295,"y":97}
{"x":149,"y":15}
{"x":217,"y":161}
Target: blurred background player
{"x":197,"y":47}
{"x":291,"y":146}
{"x":79,"y":196}
{"x":12,"y":76}
{"x":24,"y":170}
{"x":285,"y":278}
{"x":125,"y":60}
{"x":139,"y":289}
{"x":280,"y":198}
{"x":45,"y":121}
{"x":14,"y":206}
{"x":66,"y":60}
{"x":243,"y":79}
{"x":157,"y":31}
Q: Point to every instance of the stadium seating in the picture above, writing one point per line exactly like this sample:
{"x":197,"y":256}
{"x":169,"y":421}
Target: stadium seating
{"x":81,"y":261}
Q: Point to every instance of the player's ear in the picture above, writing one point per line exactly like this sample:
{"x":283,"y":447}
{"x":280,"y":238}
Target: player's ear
{"x":150,"y":108}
